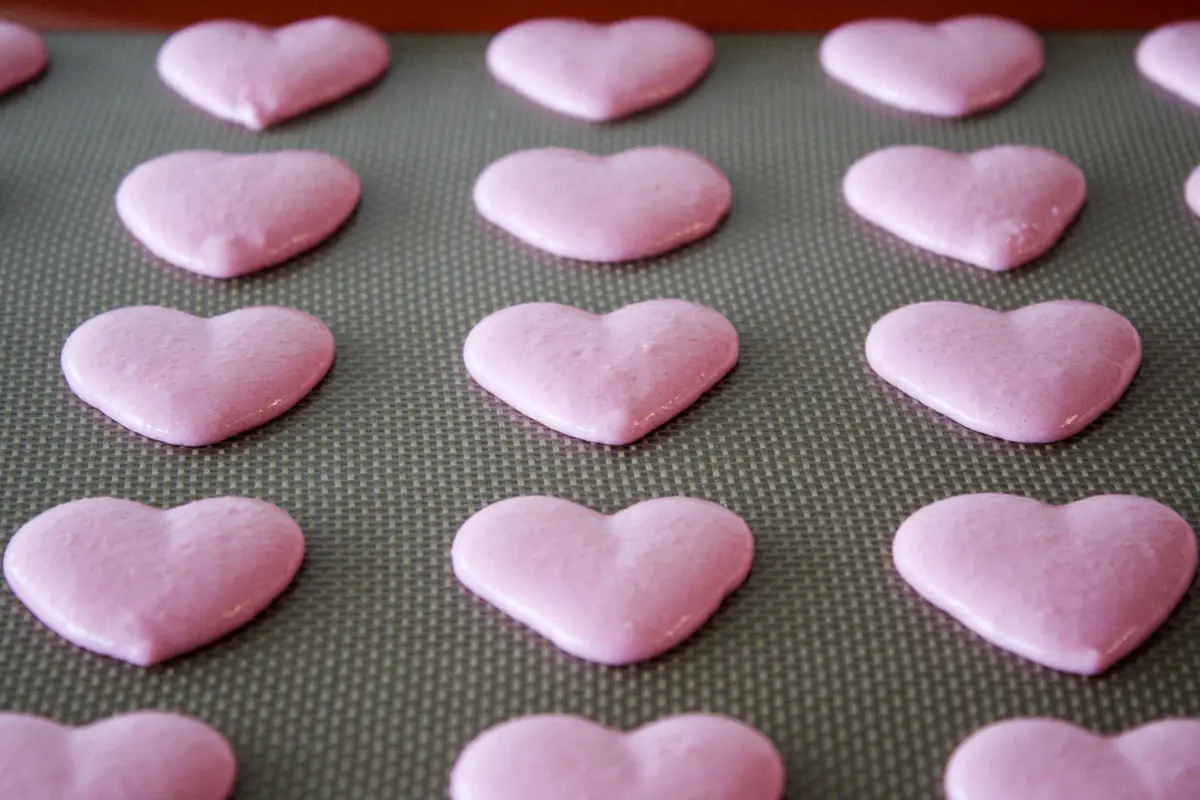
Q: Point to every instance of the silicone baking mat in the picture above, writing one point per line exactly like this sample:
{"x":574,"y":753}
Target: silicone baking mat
{"x":370,"y":674}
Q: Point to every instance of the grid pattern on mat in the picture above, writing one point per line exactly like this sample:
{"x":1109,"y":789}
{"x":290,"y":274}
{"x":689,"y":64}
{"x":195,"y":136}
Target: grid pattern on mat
{"x":373,"y":671}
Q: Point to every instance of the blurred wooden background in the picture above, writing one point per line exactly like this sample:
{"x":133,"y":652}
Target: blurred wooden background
{"x":489,"y":15}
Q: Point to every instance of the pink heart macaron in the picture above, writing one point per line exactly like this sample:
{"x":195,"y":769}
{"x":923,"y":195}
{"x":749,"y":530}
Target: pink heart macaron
{"x":608,"y":379}
{"x":191,"y":381}
{"x":1075,"y":587}
{"x":997,"y":208}
{"x":600,"y":72}
{"x":23,"y":55}
{"x":687,"y":757}
{"x":1170,"y":56}
{"x":225,"y":215}
{"x":259,"y":76}
{"x":1049,"y":759}
{"x":632,"y":205}
{"x":611,"y":589}
{"x":1037,"y":374}
{"x":145,"y":585}
{"x":146,"y":755}
{"x":951,"y":69}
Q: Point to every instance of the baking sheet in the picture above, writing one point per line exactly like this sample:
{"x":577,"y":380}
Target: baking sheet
{"x":374,"y":670}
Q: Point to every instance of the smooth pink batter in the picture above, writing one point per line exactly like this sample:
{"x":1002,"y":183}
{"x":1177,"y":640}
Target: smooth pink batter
{"x":612,"y":589}
{"x":145,"y":585}
{"x":997,"y":208}
{"x":689,"y":757}
{"x":1170,"y":56}
{"x":260,"y":76}
{"x":600,"y":72}
{"x":23,"y":55}
{"x":635,"y":204}
{"x":1048,"y":759}
{"x":1037,"y":374}
{"x":191,"y":381}
{"x":1074,"y":587}
{"x":226,"y":215}
{"x":146,"y":755}
{"x":951,"y":69}
{"x":609,"y":379}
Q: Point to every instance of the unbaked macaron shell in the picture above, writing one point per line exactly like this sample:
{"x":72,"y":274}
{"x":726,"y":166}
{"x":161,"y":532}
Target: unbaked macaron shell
{"x":600,"y":72}
{"x":145,"y":755}
{"x":950,"y":69}
{"x":191,"y":381}
{"x":997,"y":208}
{"x":611,"y":589}
{"x":1049,"y":759}
{"x":1170,"y":56}
{"x":631,"y":205}
{"x":553,"y":757}
{"x":145,"y":585}
{"x":1075,"y":588}
{"x":1036,"y":374}
{"x":23,"y":55}
{"x":610,"y":378}
{"x":225,"y":215}
{"x":259,"y":76}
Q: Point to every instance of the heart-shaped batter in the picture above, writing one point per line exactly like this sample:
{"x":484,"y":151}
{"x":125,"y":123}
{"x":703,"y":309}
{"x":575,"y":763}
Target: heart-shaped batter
{"x":1075,"y":587}
{"x":1170,"y":56}
{"x":951,"y":69}
{"x":609,"y":379}
{"x":1048,"y":759}
{"x":997,"y":208}
{"x":259,"y":76}
{"x":635,"y":204}
{"x":225,"y":215}
{"x":1037,"y":374}
{"x":611,"y":589}
{"x":688,"y":757}
{"x":192,"y":381}
{"x":144,"y":585}
{"x":146,"y":755}
{"x":600,"y":72}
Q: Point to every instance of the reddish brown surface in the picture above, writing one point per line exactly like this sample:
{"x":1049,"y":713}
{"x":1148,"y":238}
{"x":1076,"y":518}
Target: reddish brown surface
{"x":488,"y":15}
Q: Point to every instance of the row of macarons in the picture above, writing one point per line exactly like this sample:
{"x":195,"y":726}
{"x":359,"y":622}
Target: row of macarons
{"x":228,"y":215}
{"x":1074,"y":588}
{"x":257,"y":76}
{"x":225,"y":215}
{"x":1036,"y":374}
{"x":553,"y":757}
{"x":142,"y":584}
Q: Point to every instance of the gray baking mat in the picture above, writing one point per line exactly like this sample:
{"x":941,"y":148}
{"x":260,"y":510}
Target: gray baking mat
{"x":366,"y":679}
